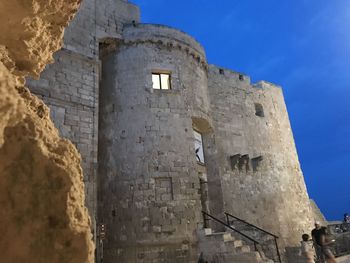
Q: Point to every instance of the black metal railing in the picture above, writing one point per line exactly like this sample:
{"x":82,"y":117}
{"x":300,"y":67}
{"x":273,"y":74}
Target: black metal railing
{"x":341,"y":234}
{"x":338,"y":228}
{"x":267,"y":240}
{"x":207,"y":217}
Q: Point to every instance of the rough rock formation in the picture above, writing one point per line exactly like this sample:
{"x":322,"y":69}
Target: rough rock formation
{"x":31,"y":31}
{"x":42,"y":218}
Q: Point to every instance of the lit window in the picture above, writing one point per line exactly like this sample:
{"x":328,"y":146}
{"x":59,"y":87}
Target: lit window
{"x":198,"y":147}
{"x":156,"y":81}
{"x":161,"y":81}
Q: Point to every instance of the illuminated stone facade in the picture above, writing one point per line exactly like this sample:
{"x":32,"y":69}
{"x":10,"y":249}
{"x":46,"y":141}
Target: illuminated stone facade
{"x":145,"y":179}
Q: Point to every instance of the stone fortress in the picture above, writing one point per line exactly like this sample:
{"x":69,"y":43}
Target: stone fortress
{"x":164,"y":135}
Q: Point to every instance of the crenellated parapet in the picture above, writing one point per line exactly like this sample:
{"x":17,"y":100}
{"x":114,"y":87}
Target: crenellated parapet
{"x":165,"y":37}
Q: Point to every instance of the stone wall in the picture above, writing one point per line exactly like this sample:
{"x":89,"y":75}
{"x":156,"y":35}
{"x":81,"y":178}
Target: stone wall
{"x":150,"y":186}
{"x":317,"y":214}
{"x":259,"y":172}
{"x":70,"y":86}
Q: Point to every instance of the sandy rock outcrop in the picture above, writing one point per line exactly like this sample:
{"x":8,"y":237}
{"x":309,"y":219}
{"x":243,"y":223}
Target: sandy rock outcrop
{"x":31,"y":30}
{"x":42,"y":216}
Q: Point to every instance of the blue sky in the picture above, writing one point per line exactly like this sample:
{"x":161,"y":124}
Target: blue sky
{"x":302,"y":45}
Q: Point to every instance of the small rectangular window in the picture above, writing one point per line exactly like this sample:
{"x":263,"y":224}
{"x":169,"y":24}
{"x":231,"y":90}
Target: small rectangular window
{"x":259,"y":110}
{"x":161,"y":81}
{"x":164,"y":80}
{"x":198,"y":147}
{"x":156,"y":81}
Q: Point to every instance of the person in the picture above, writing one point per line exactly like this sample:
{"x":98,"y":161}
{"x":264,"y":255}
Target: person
{"x":316,"y":238}
{"x":346,"y":218}
{"x":307,"y":249}
{"x":344,"y":227}
{"x":326,"y":241}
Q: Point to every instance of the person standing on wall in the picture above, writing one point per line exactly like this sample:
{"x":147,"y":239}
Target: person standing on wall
{"x":345,"y":226}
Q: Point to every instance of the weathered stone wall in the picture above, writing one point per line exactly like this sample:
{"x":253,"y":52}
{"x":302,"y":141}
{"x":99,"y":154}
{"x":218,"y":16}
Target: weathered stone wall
{"x":26,"y":27}
{"x":317,"y":214}
{"x":260,"y":176}
{"x":43,"y":217}
{"x":70,"y":86}
{"x":149,"y":182}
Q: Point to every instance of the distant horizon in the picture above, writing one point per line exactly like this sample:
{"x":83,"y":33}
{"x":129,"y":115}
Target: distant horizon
{"x":302,"y":47}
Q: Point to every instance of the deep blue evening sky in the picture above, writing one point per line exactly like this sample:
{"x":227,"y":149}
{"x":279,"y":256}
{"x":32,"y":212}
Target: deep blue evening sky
{"x":302,"y":45}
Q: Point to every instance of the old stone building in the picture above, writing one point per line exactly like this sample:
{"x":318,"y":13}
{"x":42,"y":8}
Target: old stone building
{"x":164,"y":136}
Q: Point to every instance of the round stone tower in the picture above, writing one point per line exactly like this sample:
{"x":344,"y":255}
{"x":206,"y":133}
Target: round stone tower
{"x":153,"y":96}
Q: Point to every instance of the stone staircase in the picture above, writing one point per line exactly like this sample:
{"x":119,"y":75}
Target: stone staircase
{"x":268,"y":243}
{"x":223,"y":247}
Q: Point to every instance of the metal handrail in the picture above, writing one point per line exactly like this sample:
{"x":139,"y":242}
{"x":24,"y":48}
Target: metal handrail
{"x":341,"y":233}
{"x":341,"y":227}
{"x":228,"y":226}
{"x":228,"y":215}
{"x":256,"y":227}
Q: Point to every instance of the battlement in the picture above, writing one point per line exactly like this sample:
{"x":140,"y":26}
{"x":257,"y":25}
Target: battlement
{"x":237,"y":77}
{"x":263,"y":84}
{"x":143,"y":32}
{"x":228,"y":74}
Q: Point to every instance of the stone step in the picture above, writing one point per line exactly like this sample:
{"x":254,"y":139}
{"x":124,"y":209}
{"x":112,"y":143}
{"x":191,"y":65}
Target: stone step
{"x":207,"y":231}
{"x":224,"y":247}
{"x":247,"y":257}
{"x":243,"y":249}
{"x":238,"y":243}
{"x":224,"y":236}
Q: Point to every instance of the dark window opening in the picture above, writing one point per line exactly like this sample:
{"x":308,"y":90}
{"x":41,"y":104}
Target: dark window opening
{"x":221,"y":71}
{"x":198,"y":147}
{"x":259,"y":110}
{"x":241,"y":77}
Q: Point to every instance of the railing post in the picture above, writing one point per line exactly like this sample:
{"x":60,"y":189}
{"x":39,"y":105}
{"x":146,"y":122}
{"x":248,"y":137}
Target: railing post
{"x":278,"y":251}
{"x":204,"y":220}
{"x":227,"y":219}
